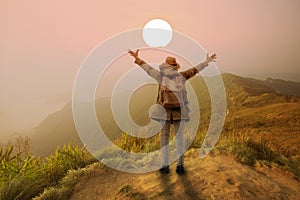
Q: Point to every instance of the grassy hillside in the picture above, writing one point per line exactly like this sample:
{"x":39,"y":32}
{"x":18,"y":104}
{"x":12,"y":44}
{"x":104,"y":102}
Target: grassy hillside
{"x":253,"y":106}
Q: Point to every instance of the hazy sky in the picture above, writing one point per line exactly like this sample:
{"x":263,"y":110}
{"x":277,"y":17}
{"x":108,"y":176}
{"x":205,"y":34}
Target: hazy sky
{"x":43,"y":43}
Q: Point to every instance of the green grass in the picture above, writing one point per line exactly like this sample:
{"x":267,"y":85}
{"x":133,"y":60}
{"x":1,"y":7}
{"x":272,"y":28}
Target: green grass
{"x":64,"y":189}
{"x":248,"y":150}
{"x":64,"y":159}
{"x":252,"y":151}
{"x":23,"y":186}
{"x":23,"y":176}
{"x":135,"y":144}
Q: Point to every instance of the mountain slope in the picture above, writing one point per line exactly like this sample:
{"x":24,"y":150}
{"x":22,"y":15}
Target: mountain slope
{"x":56,"y":130}
{"x":284,"y":87}
{"x":59,"y":128}
{"x":250,"y":104}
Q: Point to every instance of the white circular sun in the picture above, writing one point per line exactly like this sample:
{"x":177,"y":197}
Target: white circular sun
{"x":157,"y":33}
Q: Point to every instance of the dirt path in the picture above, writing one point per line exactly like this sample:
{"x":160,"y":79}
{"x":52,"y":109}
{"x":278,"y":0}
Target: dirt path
{"x":214,"y":177}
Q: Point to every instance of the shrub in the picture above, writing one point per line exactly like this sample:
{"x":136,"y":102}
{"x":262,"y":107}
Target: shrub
{"x":65,"y":187}
{"x":23,"y":176}
{"x":135,"y":144}
{"x":68,"y":157}
{"x":252,"y":150}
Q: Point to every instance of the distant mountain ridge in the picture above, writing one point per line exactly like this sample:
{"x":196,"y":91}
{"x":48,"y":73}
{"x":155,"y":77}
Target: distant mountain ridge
{"x":284,"y":87}
{"x":277,"y":85}
{"x":243,"y":95}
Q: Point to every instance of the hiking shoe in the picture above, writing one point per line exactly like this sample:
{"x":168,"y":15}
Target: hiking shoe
{"x":180,"y":169}
{"x":165,"y":169}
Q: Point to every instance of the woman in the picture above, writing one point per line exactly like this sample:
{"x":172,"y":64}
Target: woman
{"x":172,"y":96}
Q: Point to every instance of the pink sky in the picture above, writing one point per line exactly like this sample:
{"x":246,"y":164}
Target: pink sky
{"x":43,"y":43}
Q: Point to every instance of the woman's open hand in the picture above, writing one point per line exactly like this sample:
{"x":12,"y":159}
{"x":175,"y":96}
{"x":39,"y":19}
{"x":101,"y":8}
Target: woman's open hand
{"x":134,"y":54}
{"x":211,"y":58}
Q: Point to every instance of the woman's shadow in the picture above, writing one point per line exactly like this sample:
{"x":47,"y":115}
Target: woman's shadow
{"x":183,"y":182}
{"x":167,"y":186}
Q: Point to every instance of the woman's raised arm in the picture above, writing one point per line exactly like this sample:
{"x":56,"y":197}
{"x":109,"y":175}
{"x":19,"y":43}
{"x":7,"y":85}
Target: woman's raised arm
{"x":146,"y":67}
{"x":187,"y":74}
